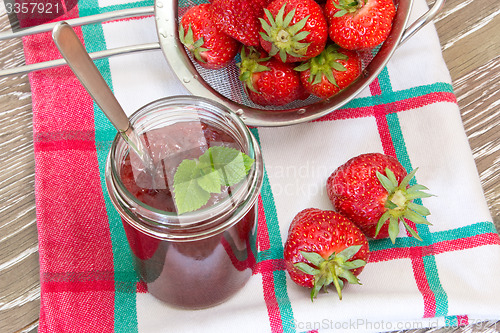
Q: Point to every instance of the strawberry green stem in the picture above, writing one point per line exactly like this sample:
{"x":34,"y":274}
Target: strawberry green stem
{"x":338,"y":287}
{"x":399,"y":199}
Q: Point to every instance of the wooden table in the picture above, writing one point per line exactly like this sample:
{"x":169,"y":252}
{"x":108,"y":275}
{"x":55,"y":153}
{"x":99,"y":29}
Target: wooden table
{"x":468,"y":30}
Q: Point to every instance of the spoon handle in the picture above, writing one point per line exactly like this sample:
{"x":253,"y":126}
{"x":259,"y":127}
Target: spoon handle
{"x":85,"y":70}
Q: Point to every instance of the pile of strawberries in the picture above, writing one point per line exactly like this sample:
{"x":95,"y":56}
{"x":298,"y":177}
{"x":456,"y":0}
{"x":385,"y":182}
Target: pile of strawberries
{"x":372,"y":196}
{"x":289,"y":48}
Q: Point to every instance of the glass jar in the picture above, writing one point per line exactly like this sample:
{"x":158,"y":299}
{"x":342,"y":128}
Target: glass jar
{"x":200,"y":258}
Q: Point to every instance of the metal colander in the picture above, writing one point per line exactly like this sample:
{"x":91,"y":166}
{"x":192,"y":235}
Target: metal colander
{"x":223,"y":86}
{"x":225,"y":81}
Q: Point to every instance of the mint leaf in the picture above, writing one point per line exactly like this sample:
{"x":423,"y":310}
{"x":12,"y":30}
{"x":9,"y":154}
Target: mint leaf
{"x":188,"y":194}
{"x":210,"y":182}
{"x":194,"y":180}
{"x":231,"y":164}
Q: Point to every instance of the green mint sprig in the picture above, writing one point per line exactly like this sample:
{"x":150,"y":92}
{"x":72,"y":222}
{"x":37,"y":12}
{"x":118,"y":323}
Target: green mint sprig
{"x":196,"y":179}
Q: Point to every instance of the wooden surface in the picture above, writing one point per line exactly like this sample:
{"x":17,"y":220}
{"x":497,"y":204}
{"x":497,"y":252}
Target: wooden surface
{"x":470,"y":39}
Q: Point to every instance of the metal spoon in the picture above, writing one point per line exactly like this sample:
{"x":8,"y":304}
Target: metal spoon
{"x":85,"y":70}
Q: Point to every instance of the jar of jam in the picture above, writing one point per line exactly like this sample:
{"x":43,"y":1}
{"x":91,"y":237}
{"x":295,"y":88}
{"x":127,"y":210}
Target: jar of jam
{"x":189,"y":259}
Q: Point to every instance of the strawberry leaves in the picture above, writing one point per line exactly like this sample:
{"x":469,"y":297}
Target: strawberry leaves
{"x":293,"y":30}
{"x":347,"y":6}
{"x":399,"y":204}
{"x":332,"y":270}
{"x":323,"y":64}
{"x":329,"y":72}
{"x":194,"y":180}
{"x":284,"y":37}
{"x":250,"y":64}
{"x":195,"y":47}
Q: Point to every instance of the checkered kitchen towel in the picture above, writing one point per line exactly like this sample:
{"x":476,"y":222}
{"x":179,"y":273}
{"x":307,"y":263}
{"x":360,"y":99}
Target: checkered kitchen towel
{"x":87,"y":279}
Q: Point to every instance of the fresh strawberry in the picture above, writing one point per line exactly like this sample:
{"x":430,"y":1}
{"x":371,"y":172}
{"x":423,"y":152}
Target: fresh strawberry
{"x":330,"y":71}
{"x":210,"y":47}
{"x":359,"y":24}
{"x":373,"y":191}
{"x":324,"y":248}
{"x":268,"y":81}
{"x":293,"y":30}
{"x":240,"y":18}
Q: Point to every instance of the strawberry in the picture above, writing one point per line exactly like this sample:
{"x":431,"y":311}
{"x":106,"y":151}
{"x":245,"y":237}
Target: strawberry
{"x":373,"y":191}
{"x":330,"y":71}
{"x":240,"y":18}
{"x":359,"y":24}
{"x":293,"y":30}
{"x":323,"y":248}
{"x":268,"y":81}
{"x":210,"y":47}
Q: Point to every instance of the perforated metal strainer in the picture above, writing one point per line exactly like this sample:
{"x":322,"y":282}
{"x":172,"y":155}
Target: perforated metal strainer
{"x":224,"y":87}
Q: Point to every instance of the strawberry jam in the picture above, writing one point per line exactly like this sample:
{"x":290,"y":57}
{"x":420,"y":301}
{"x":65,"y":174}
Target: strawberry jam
{"x":186,"y":272}
{"x":190,"y":141}
{"x":195,"y":274}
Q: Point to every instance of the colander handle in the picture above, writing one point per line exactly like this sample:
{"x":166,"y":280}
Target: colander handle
{"x":422,"y":21}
